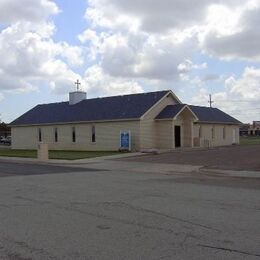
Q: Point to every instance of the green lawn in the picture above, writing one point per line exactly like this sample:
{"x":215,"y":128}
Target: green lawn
{"x":245,"y":140}
{"x":66,"y":155}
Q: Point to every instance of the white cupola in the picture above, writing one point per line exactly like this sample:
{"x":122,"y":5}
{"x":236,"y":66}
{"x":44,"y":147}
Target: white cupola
{"x":77,"y":96}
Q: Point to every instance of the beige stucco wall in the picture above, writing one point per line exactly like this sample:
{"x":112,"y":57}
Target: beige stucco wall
{"x":189,"y":131}
{"x":164,"y":134}
{"x":149,"y":127}
{"x":218,"y":140}
{"x":107,"y":136}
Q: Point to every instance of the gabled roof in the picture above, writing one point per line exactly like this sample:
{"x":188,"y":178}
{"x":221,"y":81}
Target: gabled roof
{"x":204,"y":114}
{"x":170,"y":111}
{"x":98,"y":109}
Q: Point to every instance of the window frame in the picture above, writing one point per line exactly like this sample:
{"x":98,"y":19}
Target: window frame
{"x":93,"y":134}
{"x":213,"y":132}
{"x":40,"y":135}
{"x":73,"y":134}
{"x":56,"y":135}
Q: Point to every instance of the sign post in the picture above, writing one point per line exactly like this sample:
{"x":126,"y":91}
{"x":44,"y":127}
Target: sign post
{"x":43,"y":152}
{"x":125,"y":141}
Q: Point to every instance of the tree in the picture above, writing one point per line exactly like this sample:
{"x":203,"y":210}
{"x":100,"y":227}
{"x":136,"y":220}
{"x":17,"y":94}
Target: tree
{"x":5,"y":130}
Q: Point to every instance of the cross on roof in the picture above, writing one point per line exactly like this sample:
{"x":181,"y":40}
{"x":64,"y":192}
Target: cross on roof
{"x":77,"y":83}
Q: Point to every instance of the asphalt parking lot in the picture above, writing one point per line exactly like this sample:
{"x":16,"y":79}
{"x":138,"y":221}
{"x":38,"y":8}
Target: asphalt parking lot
{"x":125,"y":211}
{"x":245,"y":158}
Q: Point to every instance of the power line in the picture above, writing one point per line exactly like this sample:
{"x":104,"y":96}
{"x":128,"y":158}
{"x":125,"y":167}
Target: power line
{"x":246,"y":109}
{"x":236,"y":101}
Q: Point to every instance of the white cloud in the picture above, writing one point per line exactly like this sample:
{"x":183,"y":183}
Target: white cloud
{"x":26,"y":10}
{"x":188,"y":65}
{"x":155,"y":41}
{"x":138,"y":55}
{"x":227,"y":29}
{"x":234,"y":33}
{"x":241,"y":97}
{"x":26,"y":56}
{"x":132,"y":45}
{"x":29,"y":57}
{"x":89,"y":35}
{"x":72,"y":54}
{"x":99,"y":83}
{"x":124,"y":48}
{"x":246,"y":87}
{"x":151,"y":16}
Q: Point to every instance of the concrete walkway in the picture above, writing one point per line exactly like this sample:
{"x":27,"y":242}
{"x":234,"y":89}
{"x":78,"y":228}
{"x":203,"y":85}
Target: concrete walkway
{"x":230,"y":173}
{"x":76,"y":162}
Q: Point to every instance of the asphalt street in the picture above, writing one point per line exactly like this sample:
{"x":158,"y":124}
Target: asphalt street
{"x":22,"y":168}
{"x":110,"y":213}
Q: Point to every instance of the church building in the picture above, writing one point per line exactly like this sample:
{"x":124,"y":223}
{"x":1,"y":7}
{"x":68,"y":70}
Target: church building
{"x":153,"y":120}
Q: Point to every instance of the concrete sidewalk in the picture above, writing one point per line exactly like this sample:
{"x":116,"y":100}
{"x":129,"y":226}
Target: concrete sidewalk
{"x":230,"y":173}
{"x":78,"y":161}
{"x":112,"y":163}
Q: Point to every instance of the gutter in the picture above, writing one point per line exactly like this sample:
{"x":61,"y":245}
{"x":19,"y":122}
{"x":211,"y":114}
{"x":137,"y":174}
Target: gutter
{"x":76,"y":122}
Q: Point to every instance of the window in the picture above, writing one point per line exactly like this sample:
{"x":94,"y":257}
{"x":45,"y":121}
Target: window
{"x":213,"y":132}
{"x":200,"y":131}
{"x":39,"y":134}
{"x":93,"y":134}
{"x":56,"y":135}
{"x":73,"y":134}
{"x":224,"y":132}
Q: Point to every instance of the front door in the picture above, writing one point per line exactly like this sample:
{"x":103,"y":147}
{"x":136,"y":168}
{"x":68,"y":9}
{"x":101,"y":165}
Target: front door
{"x":177,"y":131}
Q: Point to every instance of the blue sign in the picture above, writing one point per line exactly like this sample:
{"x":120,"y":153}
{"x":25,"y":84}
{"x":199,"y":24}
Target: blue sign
{"x":125,"y":140}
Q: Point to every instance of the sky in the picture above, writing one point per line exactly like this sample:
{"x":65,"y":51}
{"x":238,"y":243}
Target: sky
{"x":114,"y":47}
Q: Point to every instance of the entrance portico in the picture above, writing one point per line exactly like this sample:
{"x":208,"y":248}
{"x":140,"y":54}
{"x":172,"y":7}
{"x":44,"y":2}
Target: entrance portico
{"x":179,"y":121}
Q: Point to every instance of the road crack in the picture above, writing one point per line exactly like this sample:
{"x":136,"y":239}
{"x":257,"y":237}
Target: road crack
{"x":229,"y":250}
{"x":122,"y":204}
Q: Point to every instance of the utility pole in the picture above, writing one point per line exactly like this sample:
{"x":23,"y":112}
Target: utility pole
{"x":210,"y":100}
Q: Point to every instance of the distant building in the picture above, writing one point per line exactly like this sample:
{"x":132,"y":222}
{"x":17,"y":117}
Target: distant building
{"x":250,"y":129}
{"x":155,"y":120}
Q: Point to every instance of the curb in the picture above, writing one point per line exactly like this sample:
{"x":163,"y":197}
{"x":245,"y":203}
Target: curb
{"x":232,"y":173}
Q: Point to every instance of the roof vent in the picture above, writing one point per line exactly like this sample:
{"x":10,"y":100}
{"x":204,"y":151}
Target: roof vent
{"x":76,"y":97}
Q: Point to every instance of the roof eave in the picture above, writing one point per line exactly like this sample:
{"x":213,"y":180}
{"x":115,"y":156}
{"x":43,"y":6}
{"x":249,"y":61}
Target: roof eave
{"x":168,"y":92}
{"x":215,"y":122}
{"x":164,"y":119}
{"x":78,"y":122}
{"x":186,"y":106}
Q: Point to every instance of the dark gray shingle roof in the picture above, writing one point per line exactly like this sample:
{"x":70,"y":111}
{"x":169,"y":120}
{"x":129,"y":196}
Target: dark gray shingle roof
{"x":204,"y":114}
{"x":97,"y":109}
{"x":208,"y":114}
{"x":170,"y":111}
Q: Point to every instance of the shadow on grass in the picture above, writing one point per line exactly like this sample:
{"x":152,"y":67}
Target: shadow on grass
{"x":65,"y":155}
